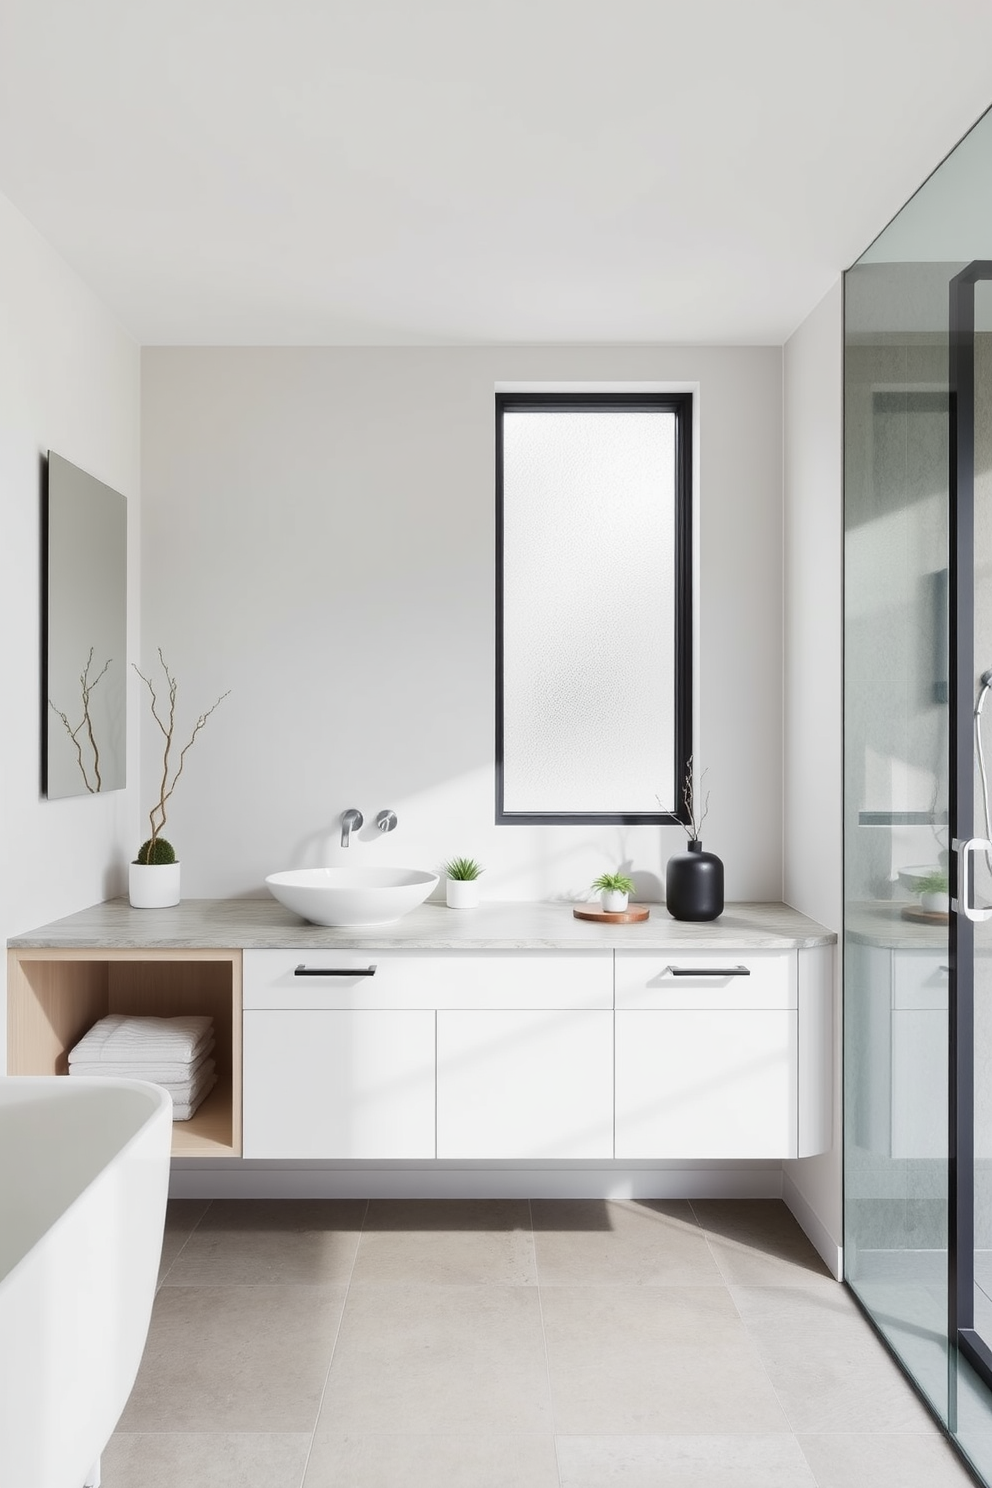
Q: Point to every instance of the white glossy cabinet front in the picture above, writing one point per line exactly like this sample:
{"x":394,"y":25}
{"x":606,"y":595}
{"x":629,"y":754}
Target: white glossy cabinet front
{"x":536,"y":1055}
{"x":525,"y":1084}
{"x":337,"y":1083}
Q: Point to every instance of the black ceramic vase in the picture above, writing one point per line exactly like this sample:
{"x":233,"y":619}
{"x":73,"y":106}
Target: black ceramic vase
{"x":694,"y":884}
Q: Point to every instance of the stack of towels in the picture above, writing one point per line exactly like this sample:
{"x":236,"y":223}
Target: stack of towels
{"x":171,"y":1052}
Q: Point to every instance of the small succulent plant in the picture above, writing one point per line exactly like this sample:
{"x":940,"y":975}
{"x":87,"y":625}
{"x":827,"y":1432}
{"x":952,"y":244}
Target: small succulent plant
{"x":463,"y":869}
{"x":614,"y":883}
{"x":934,"y":883}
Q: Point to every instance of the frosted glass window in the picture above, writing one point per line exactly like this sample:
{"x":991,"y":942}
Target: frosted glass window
{"x":594,"y":606}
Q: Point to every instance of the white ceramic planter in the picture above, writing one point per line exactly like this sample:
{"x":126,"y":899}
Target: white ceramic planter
{"x":462,"y":893}
{"x":935,"y":903}
{"x":153,"y":885}
{"x":614,"y":901}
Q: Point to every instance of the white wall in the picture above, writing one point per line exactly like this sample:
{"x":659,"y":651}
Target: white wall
{"x":318,"y":537}
{"x":813,"y":795}
{"x":69,"y":381}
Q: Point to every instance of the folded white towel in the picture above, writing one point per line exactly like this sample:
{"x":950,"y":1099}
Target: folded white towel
{"x":132,"y":1069}
{"x":119,"y":1038}
{"x":185,"y":1091}
{"x":185,"y":1111}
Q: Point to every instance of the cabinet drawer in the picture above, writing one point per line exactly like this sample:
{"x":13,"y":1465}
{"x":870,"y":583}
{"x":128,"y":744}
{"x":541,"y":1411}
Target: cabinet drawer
{"x":429,"y":979}
{"x":706,"y":979}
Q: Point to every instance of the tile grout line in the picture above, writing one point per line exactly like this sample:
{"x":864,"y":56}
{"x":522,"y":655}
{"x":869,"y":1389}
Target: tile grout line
{"x":330,"y":1360}
{"x":166,"y":1274}
{"x":544,"y":1338}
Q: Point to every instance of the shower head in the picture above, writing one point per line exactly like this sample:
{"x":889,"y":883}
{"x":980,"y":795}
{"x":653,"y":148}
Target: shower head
{"x":986,"y":678}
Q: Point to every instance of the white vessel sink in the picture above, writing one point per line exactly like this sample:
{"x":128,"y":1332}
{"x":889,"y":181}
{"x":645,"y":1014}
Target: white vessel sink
{"x":351,"y":896}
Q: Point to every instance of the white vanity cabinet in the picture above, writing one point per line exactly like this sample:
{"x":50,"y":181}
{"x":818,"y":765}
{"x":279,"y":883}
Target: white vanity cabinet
{"x":338,"y":1058}
{"x":421,"y":1054}
{"x":722,"y":1055}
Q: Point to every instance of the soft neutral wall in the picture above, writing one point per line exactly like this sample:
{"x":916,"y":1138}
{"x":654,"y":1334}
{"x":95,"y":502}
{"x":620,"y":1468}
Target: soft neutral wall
{"x":69,"y":381}
{"x":813,"y":795}
{"x":318,"y":536}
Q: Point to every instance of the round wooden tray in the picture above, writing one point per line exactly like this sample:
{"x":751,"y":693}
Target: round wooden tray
{"x":923,"y":916}
{"x":632,"y":915}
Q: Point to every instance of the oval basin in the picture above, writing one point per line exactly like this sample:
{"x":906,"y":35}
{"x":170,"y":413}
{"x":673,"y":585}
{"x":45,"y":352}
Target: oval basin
{"x":350,"y":897}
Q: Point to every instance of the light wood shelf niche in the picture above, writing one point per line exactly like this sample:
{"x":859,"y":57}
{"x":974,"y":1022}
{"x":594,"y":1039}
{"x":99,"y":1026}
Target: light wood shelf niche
{"x":54,"y":996}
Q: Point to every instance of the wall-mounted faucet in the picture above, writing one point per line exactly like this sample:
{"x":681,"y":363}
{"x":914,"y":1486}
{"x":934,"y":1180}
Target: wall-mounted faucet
{"x":386,"y":821}
{"x":351,"y":821}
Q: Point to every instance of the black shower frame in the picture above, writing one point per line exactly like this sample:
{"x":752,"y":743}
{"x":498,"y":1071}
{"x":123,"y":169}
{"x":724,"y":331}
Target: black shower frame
{"x":961,"y":1329}
{"x":679,"y":403}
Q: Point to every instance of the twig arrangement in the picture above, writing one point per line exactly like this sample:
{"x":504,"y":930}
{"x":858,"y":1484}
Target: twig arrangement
{"x":689,"y":798}
{"x":167,"y":726}
{"x":86,"y":722}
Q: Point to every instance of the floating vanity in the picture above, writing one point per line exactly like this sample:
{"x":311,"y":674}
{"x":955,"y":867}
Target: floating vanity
{"x":513,"y":1031}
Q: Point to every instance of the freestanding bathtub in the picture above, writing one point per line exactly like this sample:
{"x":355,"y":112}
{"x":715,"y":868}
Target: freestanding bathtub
{"x":84,"y":1172}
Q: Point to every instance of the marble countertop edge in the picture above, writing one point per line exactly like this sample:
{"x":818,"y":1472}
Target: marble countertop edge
{"x":262,"y":924}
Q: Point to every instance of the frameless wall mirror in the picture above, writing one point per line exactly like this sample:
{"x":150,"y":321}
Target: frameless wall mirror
{"x":594,"y":606}
{"x":85,"y":657}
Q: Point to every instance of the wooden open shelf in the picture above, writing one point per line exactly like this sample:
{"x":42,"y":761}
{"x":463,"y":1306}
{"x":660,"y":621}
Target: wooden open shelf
{"x":54,"y":996}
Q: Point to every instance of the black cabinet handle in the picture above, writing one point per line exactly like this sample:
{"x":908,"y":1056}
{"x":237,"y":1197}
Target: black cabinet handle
{"x":349,"y":971}
{"x":708,"y":971}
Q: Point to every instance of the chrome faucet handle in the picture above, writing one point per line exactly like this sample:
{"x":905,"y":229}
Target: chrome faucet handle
{"x":351,"y":821}
{"x":386,"y":821}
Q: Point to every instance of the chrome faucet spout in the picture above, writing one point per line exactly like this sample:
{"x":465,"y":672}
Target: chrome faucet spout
{"x":351,"y":821}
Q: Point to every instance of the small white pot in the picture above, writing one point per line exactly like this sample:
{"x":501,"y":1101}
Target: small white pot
{"x":935,"y":903}
{"x":462,"y":893}
{"x":153,"y":885}
{"x":614,"y":900}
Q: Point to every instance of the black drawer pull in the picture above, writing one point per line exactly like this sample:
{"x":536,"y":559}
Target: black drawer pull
{"x":351,"y":971}
{"x":721,"y":971}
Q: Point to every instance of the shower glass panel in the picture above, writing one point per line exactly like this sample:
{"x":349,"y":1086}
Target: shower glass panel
{"x":896,"y":722}
{"x":918,"y":971}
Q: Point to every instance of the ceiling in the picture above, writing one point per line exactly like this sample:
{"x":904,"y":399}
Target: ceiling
{"x":466,"y":171}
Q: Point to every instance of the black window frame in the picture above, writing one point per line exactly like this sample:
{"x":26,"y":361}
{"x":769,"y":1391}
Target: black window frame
{"x":681,"y":405}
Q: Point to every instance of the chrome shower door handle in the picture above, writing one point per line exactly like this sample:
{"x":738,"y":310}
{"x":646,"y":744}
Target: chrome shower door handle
{"x":962,"y":904}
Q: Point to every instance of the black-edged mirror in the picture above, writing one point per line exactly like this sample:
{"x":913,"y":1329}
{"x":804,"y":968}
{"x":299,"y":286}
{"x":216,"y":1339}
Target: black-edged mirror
{"x":85,"y":661}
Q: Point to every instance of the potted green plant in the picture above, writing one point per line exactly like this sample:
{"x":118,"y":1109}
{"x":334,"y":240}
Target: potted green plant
{"x":461,"y":890}
{"x":615,"y":891}
{"x":934,"y":892}
{"x":153,"y":877}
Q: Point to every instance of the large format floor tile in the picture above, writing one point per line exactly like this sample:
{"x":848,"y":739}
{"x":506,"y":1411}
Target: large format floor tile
{"x":859,"y":1460}
{"x":410,"y":1343}
{"x":212,"y":1459}
{"x":447,"y":1241}
{"x":277,"y":1241}
{"x":452,"y":1360}
{"x":241,"y":1358}
{"x":756,"y":1242}
{"x":830,"y":1371}
{"x":436,"y":1461}
{"x":628,"y":1360}
{"x":683,"y":1462}
{"x":595,"y":1242}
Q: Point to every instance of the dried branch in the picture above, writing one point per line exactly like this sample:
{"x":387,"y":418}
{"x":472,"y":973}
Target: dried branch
{"x":86,"y":722}
{"x":157,"y":815}
{"x":689,"y":797}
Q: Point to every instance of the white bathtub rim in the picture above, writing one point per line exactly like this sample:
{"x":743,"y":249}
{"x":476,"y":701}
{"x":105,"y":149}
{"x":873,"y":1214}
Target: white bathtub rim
{"x":161,"y":1105}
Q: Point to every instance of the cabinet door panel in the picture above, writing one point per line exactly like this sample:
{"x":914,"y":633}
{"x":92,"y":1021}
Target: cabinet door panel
{"x":339,"y":1084}
{"x":706,"y":1084}
{"x":525,"y":1084}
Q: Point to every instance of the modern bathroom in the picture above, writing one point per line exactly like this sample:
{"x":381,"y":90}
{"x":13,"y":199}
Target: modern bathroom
{"x":509,"y":781}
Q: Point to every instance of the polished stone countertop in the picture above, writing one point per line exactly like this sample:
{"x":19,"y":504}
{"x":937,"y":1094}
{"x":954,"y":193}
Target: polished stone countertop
{"x":882,"y":923}
{"x":259,"y":924}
